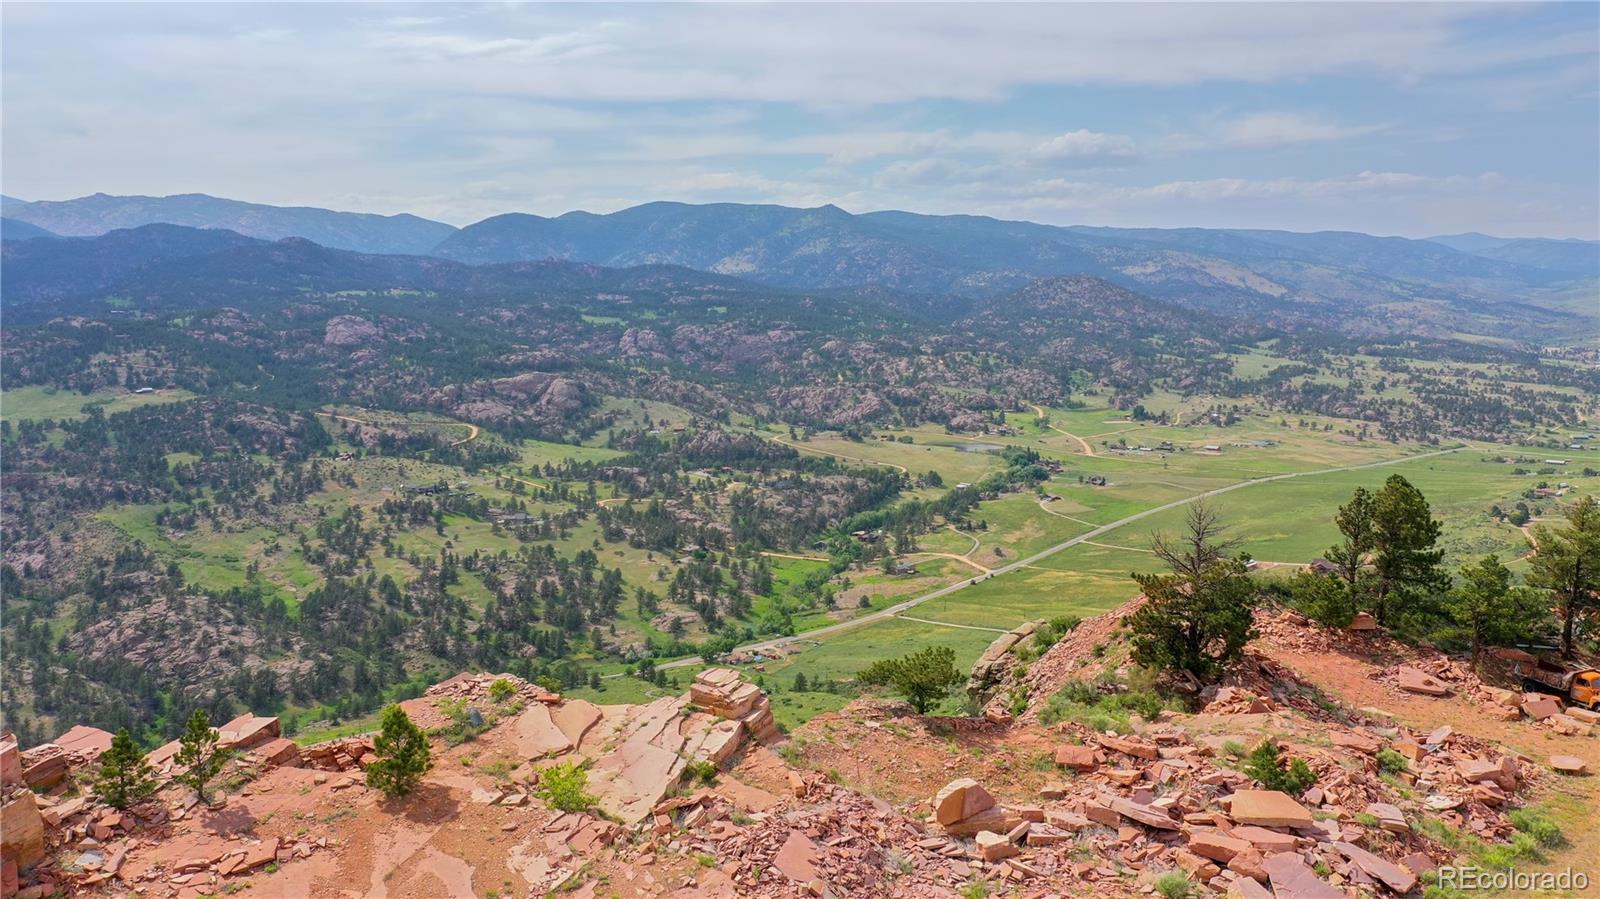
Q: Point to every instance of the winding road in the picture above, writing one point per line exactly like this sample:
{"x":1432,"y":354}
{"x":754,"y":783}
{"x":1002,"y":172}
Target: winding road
{"x":898,"y":609}
{"x":1087,"y":449}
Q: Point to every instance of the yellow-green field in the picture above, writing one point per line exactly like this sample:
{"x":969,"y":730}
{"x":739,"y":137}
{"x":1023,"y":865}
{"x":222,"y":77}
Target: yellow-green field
{"x":37,"y":403}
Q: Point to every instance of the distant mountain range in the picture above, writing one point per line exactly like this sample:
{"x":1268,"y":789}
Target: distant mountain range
{"x":94,"y":215}
{"x":12,"y":229}
{"x":1577,"y":257}
{"x":1464,"y":282}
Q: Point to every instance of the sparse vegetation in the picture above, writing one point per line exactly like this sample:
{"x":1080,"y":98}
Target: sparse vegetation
{"x":1391,"y":762}
{"x":1102,"y":705}
{"x":563,"y":786}
{"x":1174,"y":885}
{"x":703,"y":772}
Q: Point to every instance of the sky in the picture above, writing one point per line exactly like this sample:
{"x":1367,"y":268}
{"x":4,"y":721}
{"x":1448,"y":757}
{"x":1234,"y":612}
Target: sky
{"x":1409,"y":119}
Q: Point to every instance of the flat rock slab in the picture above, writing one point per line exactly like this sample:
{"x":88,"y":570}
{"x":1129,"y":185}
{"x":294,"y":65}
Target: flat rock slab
{"x":1268,"y":808}
{"x":993,"y":847}
{"x":1587,"y":716}
{"x":1541,"y":707}
{"x":1079,"y":758}
{"x":1570,"y":765}
{"x":997,"y":819}
{"x":1216,"y":845}
{"x":1390,"y":817}
{"x":92,"y":741}
{"x":632,"y":780}
{"x":1414,"y":681}
{"x":537,"y":734}
{"x":1144,"y":814}
{"x":1245,"y":888}
{"x":797,"y":860}
{"x":1268,"y":841}
{"x":1395,"y":877}
{"x":1358,"y":742}
{"x":1292,"y":878}
{"x":575,"y":717}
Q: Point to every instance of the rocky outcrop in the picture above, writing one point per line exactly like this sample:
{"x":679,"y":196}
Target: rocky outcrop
{"x":721,"y":692}
{"x":349,"y":331}
{"x":21,"y":831}
{"x":997,"y":662}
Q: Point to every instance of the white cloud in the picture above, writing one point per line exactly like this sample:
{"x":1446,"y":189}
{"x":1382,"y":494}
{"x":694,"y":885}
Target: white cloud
{"x":1270,"y":129}
{"x":461,"y":111}
{"x":1087,"y":148}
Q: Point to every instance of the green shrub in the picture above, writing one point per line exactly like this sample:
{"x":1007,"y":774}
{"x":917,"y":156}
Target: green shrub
{"x":562,"y":787}
{"x":1087,"y":704}
{"x":1391,"y":762}
{"x":501,"y":690}
{"x":1535,"y":824}
{"x":924,"y":677}
{"x":1048,"y":635}
{"x":1522,"y":847}
{"x":704,"y":771}
{"x":976,"y":888}
{"x":1267,"y":766}
{"x":1018,"y":700}
{"x":1174,"y":885}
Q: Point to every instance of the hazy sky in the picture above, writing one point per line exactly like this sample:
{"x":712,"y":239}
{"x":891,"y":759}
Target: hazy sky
{"x":1387,"y":118}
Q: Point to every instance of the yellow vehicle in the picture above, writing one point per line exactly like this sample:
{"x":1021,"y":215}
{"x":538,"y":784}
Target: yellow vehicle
{"x":1575,"y":683}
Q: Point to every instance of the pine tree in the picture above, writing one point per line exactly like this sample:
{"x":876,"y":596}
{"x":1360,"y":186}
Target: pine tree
{"x":403,"y":755}
{"x":1355,"y":524}
{"x":923,"y":677}
{"x":1567,"y":563}
{"x":1194,"y":625}
{"x":125,"y":776}
{"x":1405,"y":554}
{"x":198,"y":754}
{"x":1198,"y":618}
{"x":1492,"y":611}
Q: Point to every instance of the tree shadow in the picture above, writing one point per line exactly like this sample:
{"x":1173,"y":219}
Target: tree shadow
{"x":227,"y":821}
{"x":428,"y":804}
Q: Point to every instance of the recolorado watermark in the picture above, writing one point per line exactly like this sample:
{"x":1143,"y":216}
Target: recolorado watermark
{"x":1471,"y":877}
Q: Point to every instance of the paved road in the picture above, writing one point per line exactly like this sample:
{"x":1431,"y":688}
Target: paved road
{"x":898,"y":608}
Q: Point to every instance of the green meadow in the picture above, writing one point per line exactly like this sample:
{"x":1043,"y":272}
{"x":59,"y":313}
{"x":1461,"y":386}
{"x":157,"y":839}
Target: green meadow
{"x":37,"y":403}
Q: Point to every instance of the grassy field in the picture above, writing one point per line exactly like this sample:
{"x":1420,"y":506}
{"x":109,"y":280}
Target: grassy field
{"x":36,"y":403}
{"x":1288,"y":521}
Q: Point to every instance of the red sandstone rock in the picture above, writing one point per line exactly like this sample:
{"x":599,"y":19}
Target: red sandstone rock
{"x":959,"y":800}
{"x":1268,"y":808}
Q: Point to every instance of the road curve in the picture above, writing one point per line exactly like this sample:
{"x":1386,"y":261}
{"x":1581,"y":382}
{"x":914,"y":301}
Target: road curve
{"x":895,"y":610}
